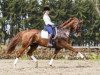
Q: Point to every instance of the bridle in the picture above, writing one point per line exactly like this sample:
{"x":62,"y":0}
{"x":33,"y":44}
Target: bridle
{"x":76,"y":27}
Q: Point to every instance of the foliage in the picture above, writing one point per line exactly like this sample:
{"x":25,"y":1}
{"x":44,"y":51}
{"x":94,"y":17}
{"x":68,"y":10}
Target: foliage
{"x":23,"y":14}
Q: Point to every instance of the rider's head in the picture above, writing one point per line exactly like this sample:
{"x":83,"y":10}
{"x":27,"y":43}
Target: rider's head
{"x":46,"y":9}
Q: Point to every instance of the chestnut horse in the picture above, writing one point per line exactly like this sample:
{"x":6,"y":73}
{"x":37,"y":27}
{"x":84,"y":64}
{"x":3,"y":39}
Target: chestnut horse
{"x":32,"y":39}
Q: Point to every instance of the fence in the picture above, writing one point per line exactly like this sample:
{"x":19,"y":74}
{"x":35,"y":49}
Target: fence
{"x":88,"y":47}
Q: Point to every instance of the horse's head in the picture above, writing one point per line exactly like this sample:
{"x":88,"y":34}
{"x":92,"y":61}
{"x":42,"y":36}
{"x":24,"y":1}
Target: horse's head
{"x":76,"y":26}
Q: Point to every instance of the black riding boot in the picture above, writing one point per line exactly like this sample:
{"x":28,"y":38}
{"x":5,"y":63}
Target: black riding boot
{"x":50,"y":41}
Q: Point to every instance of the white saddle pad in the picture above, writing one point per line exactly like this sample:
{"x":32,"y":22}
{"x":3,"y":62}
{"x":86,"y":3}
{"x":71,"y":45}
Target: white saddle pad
{"x":44,"y":34}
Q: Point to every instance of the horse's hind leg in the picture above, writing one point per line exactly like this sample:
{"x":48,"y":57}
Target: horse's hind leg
{"x":19,"y":53}
{"x":31,"y":50}
{"x":25,"y":45}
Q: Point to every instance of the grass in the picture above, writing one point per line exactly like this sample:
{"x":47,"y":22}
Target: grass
{"x":94,"y":56}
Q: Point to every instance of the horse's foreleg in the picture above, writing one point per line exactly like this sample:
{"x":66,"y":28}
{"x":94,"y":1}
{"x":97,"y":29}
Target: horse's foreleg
{"x":53,"y":57}
{"x":78,"y":54}
{"x":68,"y":46}
{"x":31,"y":50}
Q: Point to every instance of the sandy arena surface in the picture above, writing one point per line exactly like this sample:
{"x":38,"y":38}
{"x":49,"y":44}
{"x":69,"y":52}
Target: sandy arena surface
{"x":61,"y":67}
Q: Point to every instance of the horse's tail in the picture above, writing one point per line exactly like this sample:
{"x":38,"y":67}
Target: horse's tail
{"x":13,"y":42}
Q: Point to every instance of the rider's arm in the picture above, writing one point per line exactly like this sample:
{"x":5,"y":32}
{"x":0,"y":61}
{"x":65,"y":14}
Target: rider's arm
{"x":47,"y":20}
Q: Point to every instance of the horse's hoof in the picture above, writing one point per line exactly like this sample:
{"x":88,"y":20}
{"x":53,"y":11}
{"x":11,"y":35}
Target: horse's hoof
{"x":52,"y":66}
{"x":14,"y":66}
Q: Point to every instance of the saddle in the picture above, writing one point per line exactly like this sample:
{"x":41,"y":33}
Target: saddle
{"x":51,"y":38}
{"x":45,"y":34}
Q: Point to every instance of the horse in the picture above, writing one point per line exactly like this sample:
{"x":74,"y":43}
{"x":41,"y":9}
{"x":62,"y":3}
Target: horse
{"x":32,"y":38}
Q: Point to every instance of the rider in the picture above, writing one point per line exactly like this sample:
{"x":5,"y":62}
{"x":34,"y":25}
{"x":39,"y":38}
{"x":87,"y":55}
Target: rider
{"x":48,"y":24}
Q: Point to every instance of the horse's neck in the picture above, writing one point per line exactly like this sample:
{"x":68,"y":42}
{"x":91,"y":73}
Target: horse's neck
{"x":69,"y":23}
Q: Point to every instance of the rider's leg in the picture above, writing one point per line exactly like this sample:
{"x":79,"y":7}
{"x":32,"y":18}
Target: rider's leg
{"x":50,"y":31}
{"x":50,"y":40}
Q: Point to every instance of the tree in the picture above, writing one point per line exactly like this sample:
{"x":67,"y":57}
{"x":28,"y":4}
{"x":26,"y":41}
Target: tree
{"x":27,"y":14}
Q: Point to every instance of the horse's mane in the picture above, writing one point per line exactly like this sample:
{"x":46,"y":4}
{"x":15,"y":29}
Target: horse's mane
{"x":66,"y":22}
{"x":69,"y":22}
